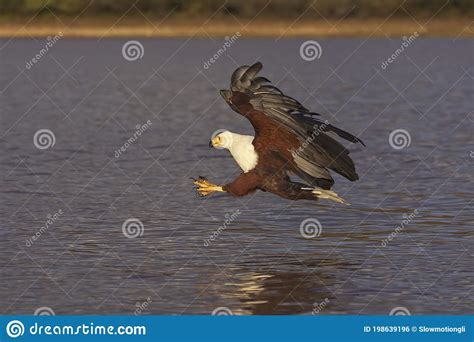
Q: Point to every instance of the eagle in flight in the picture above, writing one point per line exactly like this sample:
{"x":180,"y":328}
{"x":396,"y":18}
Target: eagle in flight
{"x":289,"y":141}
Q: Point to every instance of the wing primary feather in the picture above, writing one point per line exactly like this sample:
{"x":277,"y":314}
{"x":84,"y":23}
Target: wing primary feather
{"x":323,"y":151}
{"x":251,"y":72}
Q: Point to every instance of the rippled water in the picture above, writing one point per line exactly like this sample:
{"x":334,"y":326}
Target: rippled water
{"x":260,"y":263}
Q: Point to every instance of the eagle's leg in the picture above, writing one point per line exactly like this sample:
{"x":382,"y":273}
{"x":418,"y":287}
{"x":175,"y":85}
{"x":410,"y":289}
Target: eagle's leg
{"x":244,"y":184}
{"x":204,"y":187}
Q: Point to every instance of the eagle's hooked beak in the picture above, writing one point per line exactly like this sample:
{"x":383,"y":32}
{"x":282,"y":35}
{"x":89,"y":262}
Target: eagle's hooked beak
{"x":215,"y":142}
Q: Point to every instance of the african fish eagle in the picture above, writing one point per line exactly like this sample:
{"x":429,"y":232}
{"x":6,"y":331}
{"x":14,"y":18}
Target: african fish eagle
{"x":289,"y":141}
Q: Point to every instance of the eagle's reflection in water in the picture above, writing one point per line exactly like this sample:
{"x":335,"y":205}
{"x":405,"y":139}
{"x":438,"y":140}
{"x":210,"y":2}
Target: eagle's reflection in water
{"x":274,"y":291}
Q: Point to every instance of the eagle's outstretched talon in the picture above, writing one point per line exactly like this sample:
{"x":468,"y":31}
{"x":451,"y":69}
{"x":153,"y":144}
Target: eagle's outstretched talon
{"x":204,"y":187}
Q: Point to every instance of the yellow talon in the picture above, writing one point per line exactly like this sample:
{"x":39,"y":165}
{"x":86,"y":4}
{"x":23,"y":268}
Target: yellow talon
{"x":204,"y":187}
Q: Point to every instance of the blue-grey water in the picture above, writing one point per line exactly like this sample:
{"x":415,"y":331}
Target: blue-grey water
{"x":406,"y":242}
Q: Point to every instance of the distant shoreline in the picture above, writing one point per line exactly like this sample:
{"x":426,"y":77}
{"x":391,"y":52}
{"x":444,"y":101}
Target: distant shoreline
{"x":455,"y":27}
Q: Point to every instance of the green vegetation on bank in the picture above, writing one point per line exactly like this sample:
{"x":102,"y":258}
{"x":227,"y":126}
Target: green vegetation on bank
{"x":330,"y":9}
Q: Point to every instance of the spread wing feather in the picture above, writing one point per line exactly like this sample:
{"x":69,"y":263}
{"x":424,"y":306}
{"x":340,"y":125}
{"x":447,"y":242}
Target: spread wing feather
{"x":323,"y":150}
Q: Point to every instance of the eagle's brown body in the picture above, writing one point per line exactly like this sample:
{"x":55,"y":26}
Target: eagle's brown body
{"x":289,"y":141}
{"x":271,"y":166}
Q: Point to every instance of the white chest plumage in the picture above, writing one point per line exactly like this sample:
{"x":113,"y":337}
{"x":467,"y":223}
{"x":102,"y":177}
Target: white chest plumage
{"x":243,"y":152}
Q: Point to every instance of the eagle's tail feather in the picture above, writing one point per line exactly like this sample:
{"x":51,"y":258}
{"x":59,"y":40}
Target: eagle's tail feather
{"x":327,"y":194}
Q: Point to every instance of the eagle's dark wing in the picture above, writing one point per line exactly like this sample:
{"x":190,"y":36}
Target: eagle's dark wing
{"x":322,"y":151}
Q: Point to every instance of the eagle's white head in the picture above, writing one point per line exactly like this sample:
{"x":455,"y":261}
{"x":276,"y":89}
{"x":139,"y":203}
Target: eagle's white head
{"x":240,"y":147}
{"x":223,"y":139}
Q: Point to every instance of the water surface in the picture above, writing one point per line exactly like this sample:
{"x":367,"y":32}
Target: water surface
{"x":92,"y":99}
